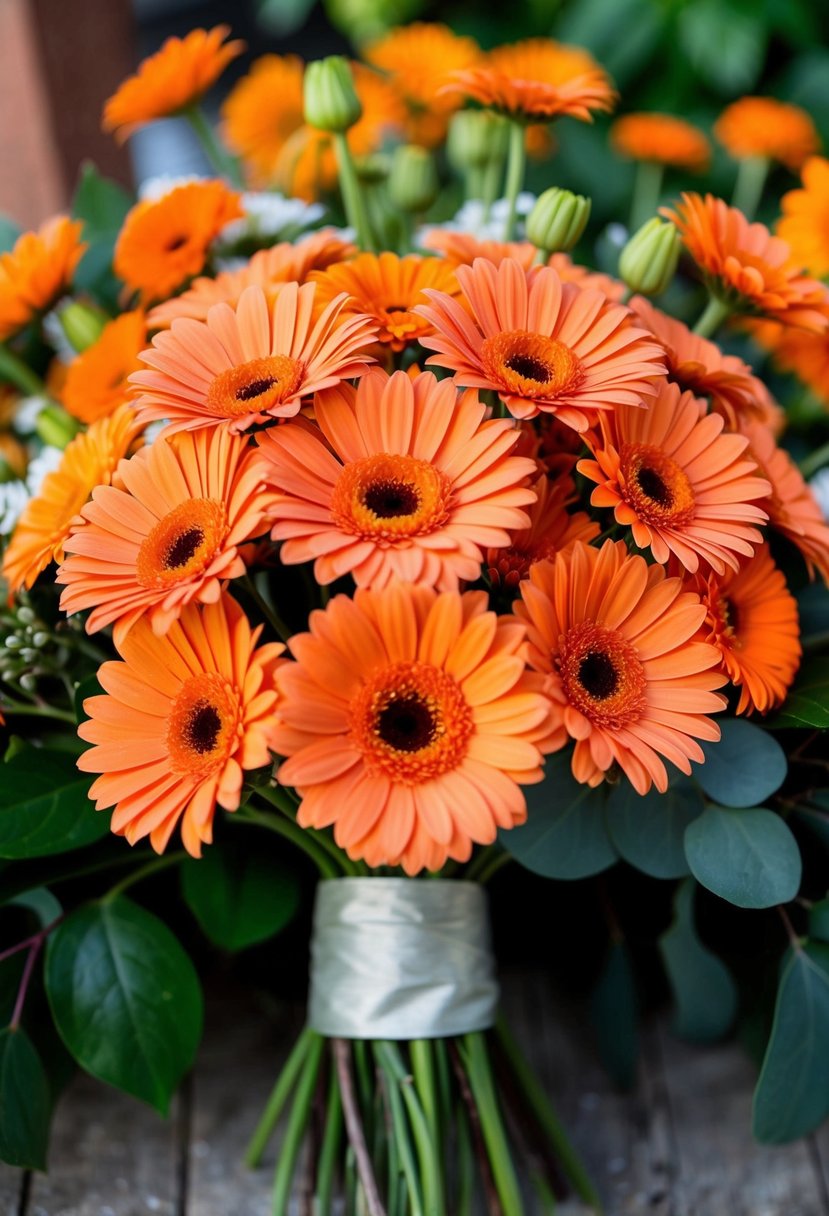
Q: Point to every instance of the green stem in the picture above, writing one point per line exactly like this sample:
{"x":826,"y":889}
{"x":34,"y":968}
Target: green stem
{"x":152,"y":867}
{"x":38,"y":711}
{"x":293,"y":832}
{"x":222,"y":162}
{"x":815,"y":461}
{"x":491,"y":178}
{"x":752,"y":172}
{"x":476,"y":1062}
{"x":423,"y":1070}
{"x":353,"y":201}
{"x":279,"y":1095}
{"x":267,"y":610}
{"x":516,"y":162}
{"x":473,"y":183}
{"x":297,"y":1123}
{"x":466,"y":1164}
{"x":13,"y":370}
{"x":496,"y":863}
{"x":484,"y":861}
{"x":647,"y":188}
{"x":401,"y":1135}
{"x":331,"y":1140}
{"x":277,"y":797}
{"x":713,"y":315}
{"x":388,"y":1055}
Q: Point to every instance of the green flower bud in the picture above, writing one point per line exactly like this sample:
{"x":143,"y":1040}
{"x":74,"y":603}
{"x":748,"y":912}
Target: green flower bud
{"x":476,"y":138}
{"x":331,"y":101}
{"x":373,"y":168}
{"x":648,"y":261}
{"x":55,"y":426}
{"x":82,"y":323}
{"x":557,"y":220}
{"x":413,"y":181}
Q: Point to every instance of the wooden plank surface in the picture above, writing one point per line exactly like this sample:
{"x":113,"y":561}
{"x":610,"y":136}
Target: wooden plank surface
{"x":11,"y":1188}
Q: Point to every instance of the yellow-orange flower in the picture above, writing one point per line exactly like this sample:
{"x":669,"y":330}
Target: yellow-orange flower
{"x":96,"y":382}
{"x":401,"y":480}
{"x":796,"y":350}
{"x":186,"y":714}
{"x":625,"y":677}
{"x":36,"y":271}
{"x":752,"y":620}
{"x":173,"y":78}
{"x":805,"y":221}
{"x":763,"y":126}
{"x":90,"y":460}
{"x":410,"y":722}
{"x":661,"y":138}
{"x":165,"y":242}
{"x":552,"y":528}
{"x":168,"y":534}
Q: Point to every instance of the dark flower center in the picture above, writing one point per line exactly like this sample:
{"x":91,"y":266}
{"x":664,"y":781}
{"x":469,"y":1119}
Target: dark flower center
{"x":255,"y":388}
{"x":178,"y":242}
{"x":183,"y":548}
{"x":598,"y":676}
{"x":652,"y":485}
{"x":407,"y":724}
{"x":529,"y":368}
{"x":390,"y":499}
{"x":203,"y":728}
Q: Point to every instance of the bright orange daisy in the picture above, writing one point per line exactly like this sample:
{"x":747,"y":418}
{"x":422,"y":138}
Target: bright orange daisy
{"x":96,"y":382}
{"x":37,"y":271}
{"x":164,"y":242}
{"x":803,"y":354}
{"x":90,"y":460}
{"x":626,"y":679}
{"x":681,"y":485}
{"x":552,"y":528}
{"x":745,"y":265}
{"x":752,"y":620}
{"x":805,"y":221}
{"x":541,"y":344}
{"x":168,"y":534}
{"x":173,"y":78}
{"x":251,"y":363}
{"x":410,"y":722}
{"x":186,"y":714}
{"x":763,"y":126}
{"x":662,"y":139}
{"x":401,"y":480}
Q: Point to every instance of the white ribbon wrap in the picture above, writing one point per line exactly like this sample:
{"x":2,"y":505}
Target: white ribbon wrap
{"x":400,"y":958}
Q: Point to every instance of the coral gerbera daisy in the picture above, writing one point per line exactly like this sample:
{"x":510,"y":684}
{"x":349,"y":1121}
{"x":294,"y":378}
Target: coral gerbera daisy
{"x":765,"y":127}
{"x":96,"y":382}
{"x":797,"y":351}
{"x":552,"y":528}
{"x":185,"y":715}
{"x":164,"y":242}
{"x":36,"y":271}
{"x":173,"y":78}
{"x":168,"y":533}
{"x":541,"y":344}
{"x":679,"y":483}
{"x":90,"y":459}
{"x":805,"y":220}
{"x":409,"y":719}
{"x":252,"y":363}
{"x":663,"y":139}
{"x":401,"y":481}
{"x":625,"y":678}
{"x":747,"y":267}
{"x":752,"y":620}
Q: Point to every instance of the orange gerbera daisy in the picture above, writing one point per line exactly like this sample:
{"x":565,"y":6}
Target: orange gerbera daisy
{"x":752,"y":620}
{"x":401,"y":481}
{"x":166,"y":241}
{"x":251,"y":363}
{"x":625,"y":679}
{"x":541,"y":344}
{"x":409,"y":718}
{"x":678,"y":482}
{"x":185,"y":715}
{"x":795,"y":350}
{"x":36,"y":271}
{"x":552,"y":528}
{"x":661,"y":138}
{"x":805,"y":221}
{"x":763,"y":126}
{"x":387,"y":288}
{"x":173,"y":78}
{"x":169,"y":533}
{"x":745,"y":265}
{"x":96,"y":382}
{"x":90,"y":459}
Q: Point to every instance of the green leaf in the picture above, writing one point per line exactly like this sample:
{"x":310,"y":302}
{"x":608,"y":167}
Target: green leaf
{"x":622,"y":35}
{"x":703,"y":990}
{"x":565,"y":834}
{"x":649,"y":830}
{"x":90,"y":687}
{"x":46,"y":807}
{"x":748,"y":857}
{"x":808,"y":701}
{"x":613,"y":1013}
{"x":239,"y":897}
{"x":819,"y":920}
{"x":725,"y":44}
{"x":792,"y":1094}
{"x":101,"y":204}
{"x":125,"y":998}
{"x":9,"y":232}
{"x":40,"y":901}
{"x":744,"y":768}
{"x":24,"y":1102}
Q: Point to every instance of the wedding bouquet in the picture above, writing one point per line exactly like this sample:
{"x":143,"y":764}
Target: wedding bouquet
{"x":425,"y":547}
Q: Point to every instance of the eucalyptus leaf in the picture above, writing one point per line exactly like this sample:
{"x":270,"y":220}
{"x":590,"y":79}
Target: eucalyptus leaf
{"x":45,"y":807}
{"x":239,"y":897}
{"x":748,"y":857}
{"x":704,"y":992}
{"x":649,"y":830}
{"x":24,"y":1102}
{"x":819,"y":920}
{"x":744,"y":768}
{"x":41,"y":902}
{"x":808,"y":701}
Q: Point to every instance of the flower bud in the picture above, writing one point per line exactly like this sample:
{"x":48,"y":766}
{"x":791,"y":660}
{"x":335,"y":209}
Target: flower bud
{"x":477,"y":138}
{"x":413,"y":181}
{"x":372,"y":169}
{"x":557,"y":220}
{"x":648,"y":261}
{"x":82,"y":324}
{"x":55,"y":427}
{"x":331,"y":101}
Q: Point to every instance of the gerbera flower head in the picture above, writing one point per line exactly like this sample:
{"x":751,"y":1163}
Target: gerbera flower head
{"x":184,"y":716}
{"x":752,"y":620}
{"x":763,"y":126}
{"x":89,"y":460}
{"x":804,"y":354}
{"x":745,"y":265}
{"x":165,"y":242}
{"x":552,"y":528}
{"x":173,"y":78}
{"x":398,"y":480}
{"x":96,"y":381}
{"x":168,"y":533}
{"x":663,"y":139}
{"x":541,"y":344}
{"x":805,"y":220}
{"x":681,"y":485}
{"x":37,"y":271}
{"x":626,"y":679}
{"x":410,"y":722}
{"x":250,"y":363}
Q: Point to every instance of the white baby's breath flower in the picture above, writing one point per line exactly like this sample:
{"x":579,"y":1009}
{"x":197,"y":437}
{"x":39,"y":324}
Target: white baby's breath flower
{"x":819,"y":485}
{"x":270,"y":217}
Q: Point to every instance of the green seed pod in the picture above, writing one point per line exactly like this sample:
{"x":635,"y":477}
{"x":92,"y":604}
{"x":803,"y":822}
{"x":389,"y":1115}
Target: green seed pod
{"x":413,"y":181}
{"x":331,"y":101}
{"x":649,"y":259}
{"x":557,"y":220}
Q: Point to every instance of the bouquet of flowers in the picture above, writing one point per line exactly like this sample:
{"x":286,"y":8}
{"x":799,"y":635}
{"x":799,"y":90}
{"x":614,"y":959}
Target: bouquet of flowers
{"x":425,"y":547}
